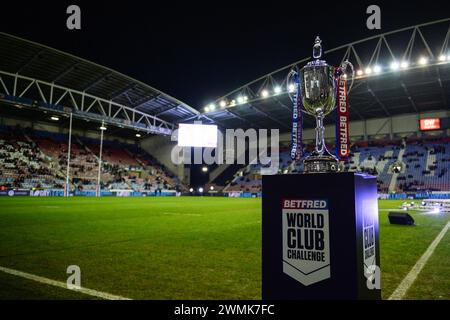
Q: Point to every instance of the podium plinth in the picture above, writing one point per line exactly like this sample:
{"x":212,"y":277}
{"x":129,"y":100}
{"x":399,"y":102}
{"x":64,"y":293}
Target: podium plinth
{"x":320,"y":237}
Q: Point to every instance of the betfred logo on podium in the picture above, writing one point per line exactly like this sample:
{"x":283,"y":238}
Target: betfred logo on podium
{"x":306,"y":249}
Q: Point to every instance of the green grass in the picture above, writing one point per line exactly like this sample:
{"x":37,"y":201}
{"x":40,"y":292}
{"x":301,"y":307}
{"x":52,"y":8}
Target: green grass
{"x":176,"y":248}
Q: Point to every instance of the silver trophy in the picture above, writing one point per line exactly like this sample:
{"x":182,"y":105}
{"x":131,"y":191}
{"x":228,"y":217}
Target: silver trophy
{"x":318,"y":83}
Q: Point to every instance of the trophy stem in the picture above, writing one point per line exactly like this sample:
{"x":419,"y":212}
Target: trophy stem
{"x":320,"y":134}
{"x":321,"y":160}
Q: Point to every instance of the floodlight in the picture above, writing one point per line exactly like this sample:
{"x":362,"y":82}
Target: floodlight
{"x":404,"y":65}
{"x":423,"y":61}
{"x":394,"y":65}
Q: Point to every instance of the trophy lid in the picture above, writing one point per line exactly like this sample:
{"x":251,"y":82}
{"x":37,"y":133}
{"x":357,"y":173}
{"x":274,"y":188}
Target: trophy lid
{"x":317,"y":48}
{"x":317,"y":54}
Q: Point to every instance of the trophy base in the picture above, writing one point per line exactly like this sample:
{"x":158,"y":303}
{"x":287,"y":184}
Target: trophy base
{"x":321,"y":164}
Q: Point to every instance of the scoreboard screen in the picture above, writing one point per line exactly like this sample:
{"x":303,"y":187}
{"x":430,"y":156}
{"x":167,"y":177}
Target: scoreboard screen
{"x":430,"y":124}
{"x":197,"y":135}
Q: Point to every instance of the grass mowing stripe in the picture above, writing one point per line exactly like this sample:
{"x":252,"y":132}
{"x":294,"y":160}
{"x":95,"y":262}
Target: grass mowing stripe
{"x":406,"y":283}
{"x":91,"y":292}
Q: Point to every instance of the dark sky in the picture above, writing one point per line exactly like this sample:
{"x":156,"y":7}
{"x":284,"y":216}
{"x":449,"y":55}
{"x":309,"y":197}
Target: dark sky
{"x":198,"y":51}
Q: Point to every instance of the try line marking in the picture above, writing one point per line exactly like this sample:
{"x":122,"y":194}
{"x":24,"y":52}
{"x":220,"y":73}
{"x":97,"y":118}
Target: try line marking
{"x":91,"y":292}
{"x":406,"y":283}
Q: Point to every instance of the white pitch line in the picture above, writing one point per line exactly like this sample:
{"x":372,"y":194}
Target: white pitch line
{"x":406,"y":283}
{"x":91,"y":292}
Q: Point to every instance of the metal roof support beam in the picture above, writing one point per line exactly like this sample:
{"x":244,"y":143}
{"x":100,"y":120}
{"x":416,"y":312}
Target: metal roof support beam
{"x":26,"y":89}
{"x":32,"y":58}
{"x":159,"y":126}
{"x":413,"y":104}
{"x":270,"y":117}
{"x":167,"y":110}
{"x":282,"y":104}
{"x":40,"y":92}
{"x":4,"y":86}
{"x":65,"y":72}
{"x":146,"y":100}
{"x":200,"y":116}
{"x":120,"y":92}
{"x":412,"y":31}
{"x":241,"y":118}
{"x":356,"y":111}
{"x":96,"y":81}
{"x":379,"y":102}
{"x":444,"y":96}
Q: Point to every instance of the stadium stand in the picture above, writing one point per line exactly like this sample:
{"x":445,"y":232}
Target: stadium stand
{"x":31,"y":159}
{"x":424,"y":164}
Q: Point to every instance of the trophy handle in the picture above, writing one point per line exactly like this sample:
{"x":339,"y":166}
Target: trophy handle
{"x":344,"y":67}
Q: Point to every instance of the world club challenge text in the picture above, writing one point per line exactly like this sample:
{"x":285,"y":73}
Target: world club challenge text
{"x":305,"y":229}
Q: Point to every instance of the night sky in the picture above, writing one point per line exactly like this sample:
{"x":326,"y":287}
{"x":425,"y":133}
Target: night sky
{"x":199,"y":51}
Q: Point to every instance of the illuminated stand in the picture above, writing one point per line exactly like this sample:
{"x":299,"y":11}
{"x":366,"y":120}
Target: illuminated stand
{"x":320,"y":237}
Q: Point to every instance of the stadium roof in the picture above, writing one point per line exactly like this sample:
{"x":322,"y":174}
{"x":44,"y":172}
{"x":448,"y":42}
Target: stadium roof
{"x":36,"y":61}
{"x":409,"y":73}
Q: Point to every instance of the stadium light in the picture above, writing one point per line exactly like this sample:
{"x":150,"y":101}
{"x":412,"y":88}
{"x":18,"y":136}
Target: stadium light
{"x":423,"y":61}
{"x":200,"y":190}
{"x":245,"y":98}
{"x":264,"y":93}
{"x":359,"y":72}
{"x":211,"y":188}
{"x":442,"y":57}
{"x":223,"y":104}
{"x":368,"y":70}
{"x":54,"y":118}
{"x":138,"y":135}
{"x":404,"y":65}
{"x":277,"y":89}
{"x":233,"y":103}
{"x":291,"y":88}
{"x":191,"y":190}
{"x":377,"y":69}
{"x":103,"y":128}
{"x":205,"y":169}
{"x":394,"y":65}
{"x":206,"y":109}
{"x":212,"y":106}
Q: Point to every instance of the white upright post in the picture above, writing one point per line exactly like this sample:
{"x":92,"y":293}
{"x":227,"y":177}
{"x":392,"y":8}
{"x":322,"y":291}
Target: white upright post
{"x":67,"y":188}
{"x":100,"y":159}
